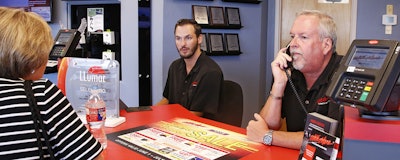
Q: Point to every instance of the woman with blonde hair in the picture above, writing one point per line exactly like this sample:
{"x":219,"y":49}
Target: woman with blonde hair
{"x":36,"y":119}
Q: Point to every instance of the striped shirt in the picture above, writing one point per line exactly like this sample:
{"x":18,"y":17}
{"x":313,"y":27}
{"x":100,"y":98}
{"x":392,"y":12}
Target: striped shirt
{"x":69,"y":138}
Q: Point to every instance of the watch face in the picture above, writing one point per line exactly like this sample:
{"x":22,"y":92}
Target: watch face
{"x":267,"y":139}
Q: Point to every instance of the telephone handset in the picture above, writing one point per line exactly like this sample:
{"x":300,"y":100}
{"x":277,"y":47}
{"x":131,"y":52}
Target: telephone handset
{"x":289,"y":67}
{"x":288,"y":53}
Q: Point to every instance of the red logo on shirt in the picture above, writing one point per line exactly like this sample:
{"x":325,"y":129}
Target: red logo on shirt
{"x":323,"y":101}
{"x":194,"y":84}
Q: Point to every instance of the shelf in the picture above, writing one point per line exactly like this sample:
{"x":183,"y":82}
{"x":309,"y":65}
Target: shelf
{"x":243,"y":1}
{"x":205,"y":26}
{"x":224,"y":53}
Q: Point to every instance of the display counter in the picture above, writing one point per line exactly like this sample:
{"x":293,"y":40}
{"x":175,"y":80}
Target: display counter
{"x":369,"y":139}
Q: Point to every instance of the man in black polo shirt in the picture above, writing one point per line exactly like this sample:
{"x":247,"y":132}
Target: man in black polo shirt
{"x":194,"y":80}
{"x":314,"y":61}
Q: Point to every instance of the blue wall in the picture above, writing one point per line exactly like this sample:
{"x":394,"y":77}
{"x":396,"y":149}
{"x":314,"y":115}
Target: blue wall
{"x":369,"y":19}
{"x":248,"y":69}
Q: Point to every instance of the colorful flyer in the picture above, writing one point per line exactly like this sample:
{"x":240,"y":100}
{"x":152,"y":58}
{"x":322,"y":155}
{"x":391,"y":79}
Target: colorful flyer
{"x":184,"y":139}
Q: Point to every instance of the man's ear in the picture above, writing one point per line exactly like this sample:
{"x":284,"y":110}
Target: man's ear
{"x":327,"y":45}
{"x":200,"y":39}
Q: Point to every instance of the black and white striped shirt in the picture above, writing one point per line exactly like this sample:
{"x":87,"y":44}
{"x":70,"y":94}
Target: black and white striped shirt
{"x":69,"y":138}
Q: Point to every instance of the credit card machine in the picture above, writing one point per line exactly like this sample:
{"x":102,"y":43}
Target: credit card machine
{"x":64,"y":45}
{"x":368,"y":77}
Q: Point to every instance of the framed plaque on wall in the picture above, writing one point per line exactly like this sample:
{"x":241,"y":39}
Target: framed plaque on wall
{"x":233,"y":16}
{"x":200,"y":14}
{"x":232,"y":43}
{"x":216,"y":42}
{"x":204,"y":43}
{"x":217,"y":16}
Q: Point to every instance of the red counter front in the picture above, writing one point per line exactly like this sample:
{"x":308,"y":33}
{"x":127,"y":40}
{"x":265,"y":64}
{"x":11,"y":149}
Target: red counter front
{"x":370,"y":139}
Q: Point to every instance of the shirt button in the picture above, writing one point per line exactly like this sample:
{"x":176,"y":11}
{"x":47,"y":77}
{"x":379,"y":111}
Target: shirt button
{"x":183,"y":93}
{"x":307,"y":102}
{"x":185,"y":81}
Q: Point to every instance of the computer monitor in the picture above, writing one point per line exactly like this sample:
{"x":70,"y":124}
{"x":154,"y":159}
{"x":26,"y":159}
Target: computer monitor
{"x":43,"y":8}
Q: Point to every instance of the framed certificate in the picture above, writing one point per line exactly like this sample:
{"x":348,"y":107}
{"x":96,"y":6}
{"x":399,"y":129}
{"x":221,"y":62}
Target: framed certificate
{"x":216,"y":42}
{"x":233,"y":16}
{"x":200,"y":14}
{"x":217,"y":16}
{"x":232,"y":43}
{"x":204,"y":43}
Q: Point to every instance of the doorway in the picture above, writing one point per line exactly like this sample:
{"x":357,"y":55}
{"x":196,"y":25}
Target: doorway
{"x":144,"y":53}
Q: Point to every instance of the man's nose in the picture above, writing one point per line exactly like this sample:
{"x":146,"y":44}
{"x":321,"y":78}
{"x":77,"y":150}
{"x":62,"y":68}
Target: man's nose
{"x":293,"y":42}
{"x":180,"y":43}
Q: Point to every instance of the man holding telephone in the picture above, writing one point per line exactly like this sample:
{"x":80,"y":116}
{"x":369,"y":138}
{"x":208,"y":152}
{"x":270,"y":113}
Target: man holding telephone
{"x":312,"y":53}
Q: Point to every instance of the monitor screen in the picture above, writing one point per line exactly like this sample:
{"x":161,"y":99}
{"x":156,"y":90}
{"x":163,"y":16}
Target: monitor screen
{"x":368,"y":57}
{"x":40,"y":7}
{"x":64,"y":37}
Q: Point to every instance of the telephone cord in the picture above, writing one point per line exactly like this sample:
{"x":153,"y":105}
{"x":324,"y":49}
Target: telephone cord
{"x":295,"y":91}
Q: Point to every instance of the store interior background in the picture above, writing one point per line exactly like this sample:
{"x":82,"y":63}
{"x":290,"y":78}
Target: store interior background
{"x":258,"y":42}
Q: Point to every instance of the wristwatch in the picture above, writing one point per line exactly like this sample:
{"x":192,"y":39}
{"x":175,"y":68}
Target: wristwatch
{"x":267,"y":139}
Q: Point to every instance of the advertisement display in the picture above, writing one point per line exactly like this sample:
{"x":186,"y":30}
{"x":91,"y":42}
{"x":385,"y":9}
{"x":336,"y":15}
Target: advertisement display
{"x":181,"y":139}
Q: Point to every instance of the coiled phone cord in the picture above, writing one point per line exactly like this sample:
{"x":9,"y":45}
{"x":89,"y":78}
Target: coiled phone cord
{"x":295,"y":91}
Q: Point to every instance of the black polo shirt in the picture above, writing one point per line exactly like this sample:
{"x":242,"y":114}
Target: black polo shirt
{"x":314,"y":100}
{"x":197,"y":91}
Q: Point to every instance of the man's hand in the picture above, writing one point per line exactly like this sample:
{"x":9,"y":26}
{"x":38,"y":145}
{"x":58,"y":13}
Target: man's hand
{"x":278,"y":66}
{"x":256,"y":129}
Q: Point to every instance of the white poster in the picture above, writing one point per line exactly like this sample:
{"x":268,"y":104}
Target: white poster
{"x":95,"y":17}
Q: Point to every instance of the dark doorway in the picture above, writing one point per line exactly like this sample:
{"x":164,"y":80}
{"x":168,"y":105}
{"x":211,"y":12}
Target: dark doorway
{"x":144,"y":53}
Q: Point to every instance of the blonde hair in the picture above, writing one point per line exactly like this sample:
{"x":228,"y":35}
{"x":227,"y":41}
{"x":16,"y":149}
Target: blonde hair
{"x":25,"y":42}
{"x":327,"y":26}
